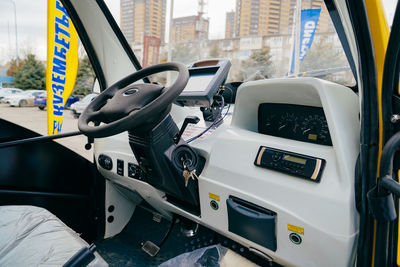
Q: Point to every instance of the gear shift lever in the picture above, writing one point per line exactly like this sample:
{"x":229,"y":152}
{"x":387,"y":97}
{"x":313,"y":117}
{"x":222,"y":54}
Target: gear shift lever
{"x":188,"y":119}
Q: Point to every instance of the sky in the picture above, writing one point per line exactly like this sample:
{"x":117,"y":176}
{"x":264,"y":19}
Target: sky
{"x":31,"y":22}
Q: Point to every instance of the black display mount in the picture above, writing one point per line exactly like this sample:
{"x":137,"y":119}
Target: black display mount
{"x":206,"y":77}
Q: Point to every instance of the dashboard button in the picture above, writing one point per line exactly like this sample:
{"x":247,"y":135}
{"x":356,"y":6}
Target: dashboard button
{"x":276,"y":156}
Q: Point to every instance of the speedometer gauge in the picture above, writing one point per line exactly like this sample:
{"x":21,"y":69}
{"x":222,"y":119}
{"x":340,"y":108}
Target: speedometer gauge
{"x":294,"y":122}
{"x":315,"y":128}
{"x":288,"y":123}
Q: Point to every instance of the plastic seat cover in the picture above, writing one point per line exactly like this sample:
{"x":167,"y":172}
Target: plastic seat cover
{"x":32,"y":236}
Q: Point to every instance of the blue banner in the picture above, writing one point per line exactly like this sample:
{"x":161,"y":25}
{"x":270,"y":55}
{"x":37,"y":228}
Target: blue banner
{"x":309,"y":22}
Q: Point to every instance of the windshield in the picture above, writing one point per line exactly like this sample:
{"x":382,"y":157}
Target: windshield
{"x":258,"y":36}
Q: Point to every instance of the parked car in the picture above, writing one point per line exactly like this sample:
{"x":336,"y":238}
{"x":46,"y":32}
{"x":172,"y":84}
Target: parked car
{"x":78,"y":107}
{"x":41,"y":101}
{"x":23,"y":99}
{"x":4,"y":92}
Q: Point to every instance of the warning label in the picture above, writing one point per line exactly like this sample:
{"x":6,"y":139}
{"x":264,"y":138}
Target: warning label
{"x":193,"y":130}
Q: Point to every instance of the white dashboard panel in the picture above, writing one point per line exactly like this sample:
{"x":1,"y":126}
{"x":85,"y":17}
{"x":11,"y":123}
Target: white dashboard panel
{"x":325,"y":211}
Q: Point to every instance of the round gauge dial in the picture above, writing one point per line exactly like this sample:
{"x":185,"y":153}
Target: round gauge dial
{"x":270,"y":122}
{"x":315,"y":128}
{"x":288,"y":123}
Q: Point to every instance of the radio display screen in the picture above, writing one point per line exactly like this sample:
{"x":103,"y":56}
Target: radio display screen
{"x":295,"y":159}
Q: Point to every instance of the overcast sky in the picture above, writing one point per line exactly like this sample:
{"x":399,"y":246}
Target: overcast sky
{"x":31,"y":21}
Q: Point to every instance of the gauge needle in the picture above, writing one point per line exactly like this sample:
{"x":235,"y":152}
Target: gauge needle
{"x":281,"y":127}
{"x":305,"y":131}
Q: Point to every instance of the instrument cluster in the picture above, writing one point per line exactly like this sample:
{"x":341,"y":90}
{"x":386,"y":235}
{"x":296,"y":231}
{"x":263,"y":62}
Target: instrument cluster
{"x":295,"y":122}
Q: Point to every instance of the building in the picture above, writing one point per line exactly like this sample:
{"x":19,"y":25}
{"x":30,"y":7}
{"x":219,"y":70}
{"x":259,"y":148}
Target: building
{"x":268,"y":17}
{"x":188,"y":29}
{"x":261,"y":17}
{"x":230,"y":25}
{"x":151,"y":51}
{"x":4,"y":79}
{"x":280,"y":49}
{"x":140,"y":18}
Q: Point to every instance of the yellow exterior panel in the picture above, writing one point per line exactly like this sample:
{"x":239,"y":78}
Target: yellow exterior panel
{"x":380,"y":37}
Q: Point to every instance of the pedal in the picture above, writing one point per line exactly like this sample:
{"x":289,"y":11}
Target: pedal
{"x":188,"y":228}
{"x":157,"y":217}
{"x":150,"y":248}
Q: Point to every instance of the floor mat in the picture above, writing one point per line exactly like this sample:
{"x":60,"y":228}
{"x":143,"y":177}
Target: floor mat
{"x":125,"y":249}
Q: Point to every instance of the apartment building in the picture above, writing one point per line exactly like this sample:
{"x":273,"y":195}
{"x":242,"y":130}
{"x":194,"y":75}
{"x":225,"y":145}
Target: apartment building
{"x":230,"y":25}
{"x":268,"y":17}
{"x":188,"y":29}
{"x":140,"y":18}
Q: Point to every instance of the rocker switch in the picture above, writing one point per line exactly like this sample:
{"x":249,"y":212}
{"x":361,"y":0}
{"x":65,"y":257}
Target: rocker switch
{"x":120,"y":167}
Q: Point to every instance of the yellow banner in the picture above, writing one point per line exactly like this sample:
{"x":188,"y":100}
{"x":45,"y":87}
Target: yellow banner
{"x":62,"y":63}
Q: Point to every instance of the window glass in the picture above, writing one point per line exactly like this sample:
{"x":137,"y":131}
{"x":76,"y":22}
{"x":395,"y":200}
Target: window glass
{"x":256,"y":35}
{"x":390,"y":7}
{"x":23,"y":35}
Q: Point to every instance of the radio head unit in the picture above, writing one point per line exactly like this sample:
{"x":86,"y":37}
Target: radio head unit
{"x":302,"y":166}
{"x":205,"y":78}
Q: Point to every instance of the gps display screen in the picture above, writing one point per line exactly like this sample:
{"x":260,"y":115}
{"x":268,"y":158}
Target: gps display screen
{"x":198,"y":82}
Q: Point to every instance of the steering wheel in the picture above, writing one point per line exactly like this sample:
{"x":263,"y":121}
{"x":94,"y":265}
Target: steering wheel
{"x":125,"y":106}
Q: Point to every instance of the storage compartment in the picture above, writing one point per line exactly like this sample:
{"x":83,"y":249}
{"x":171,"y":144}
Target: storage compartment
{"x":252,"y":222}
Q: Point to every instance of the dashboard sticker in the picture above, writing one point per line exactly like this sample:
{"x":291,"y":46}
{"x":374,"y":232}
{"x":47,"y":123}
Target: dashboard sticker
{"x":193,"y":130}
{"x":213,"y":196}
{"x":296,"y":229}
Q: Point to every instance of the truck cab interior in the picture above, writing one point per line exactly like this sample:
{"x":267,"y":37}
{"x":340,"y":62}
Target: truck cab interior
{"x":272,"y":172}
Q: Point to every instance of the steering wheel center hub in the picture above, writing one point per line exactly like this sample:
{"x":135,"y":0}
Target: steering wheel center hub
{"x":130,"y":91}
{"x":126,"y":105}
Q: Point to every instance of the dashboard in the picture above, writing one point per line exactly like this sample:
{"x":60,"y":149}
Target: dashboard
{"x":295,"y":122}
{"x":281,"y":164}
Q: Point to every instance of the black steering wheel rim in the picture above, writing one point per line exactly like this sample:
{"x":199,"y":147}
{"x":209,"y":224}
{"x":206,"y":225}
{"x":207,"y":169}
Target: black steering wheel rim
{"x":136,"y":117}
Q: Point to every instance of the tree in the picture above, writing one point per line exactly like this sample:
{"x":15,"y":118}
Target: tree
{"x":323,"y":55}
{"x":84,"y":77}
{"x":184,"y":53}
{"x":31,"y":75}
{"x":13,"y":67}
{"x":214,"y":51}
{"x":258,"y":65}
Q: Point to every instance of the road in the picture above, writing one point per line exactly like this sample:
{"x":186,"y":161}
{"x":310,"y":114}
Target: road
{"x":36,"y":120}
